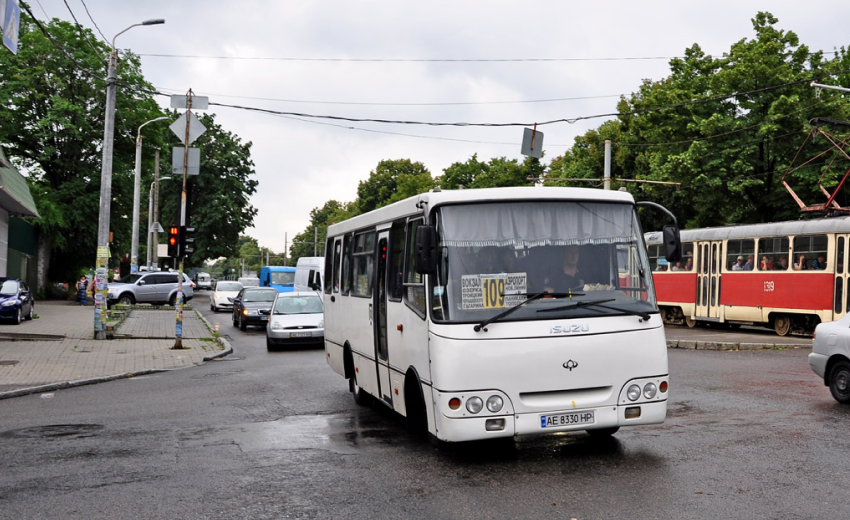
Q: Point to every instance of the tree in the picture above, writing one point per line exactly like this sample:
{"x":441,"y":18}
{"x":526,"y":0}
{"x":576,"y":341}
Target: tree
{"x":51,"y":127}
{"x":219,"y":207}
{"x":498,"y":172}
{"x":383,"y":183}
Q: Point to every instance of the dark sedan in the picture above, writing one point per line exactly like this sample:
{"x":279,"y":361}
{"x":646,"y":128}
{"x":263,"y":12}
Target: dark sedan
{"x":248,"y":304}
{"x":16,"y":300}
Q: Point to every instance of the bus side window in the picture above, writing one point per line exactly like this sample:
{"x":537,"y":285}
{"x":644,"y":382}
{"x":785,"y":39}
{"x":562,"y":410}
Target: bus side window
{"x":346,"y":265}
{"x":414,"y":294}
{"x":395,"y":270}
{"x":329,"y":264}
{"x":337,"y":248}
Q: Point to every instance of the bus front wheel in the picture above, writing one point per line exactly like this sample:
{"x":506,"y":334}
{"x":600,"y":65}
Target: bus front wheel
{"x":360,"y":396}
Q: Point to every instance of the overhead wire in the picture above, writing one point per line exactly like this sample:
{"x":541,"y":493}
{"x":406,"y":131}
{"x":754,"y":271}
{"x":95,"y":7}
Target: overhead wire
{"x":83,"y":31}
{"x":92,"y":21}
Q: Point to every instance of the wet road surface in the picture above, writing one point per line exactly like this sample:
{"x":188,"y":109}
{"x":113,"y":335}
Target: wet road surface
{"x":749,"y":434}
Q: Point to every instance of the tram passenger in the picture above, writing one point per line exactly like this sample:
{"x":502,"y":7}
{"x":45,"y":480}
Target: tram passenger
{"x":739,"y":264}
{"x":820,"y":263}
{"x":783,"y":263}
{"x":677,"y":267}
{"x":765,"y":263}
{"x":802,"y":264}
{"x":748,"y":266}
{"x":690,"y":265}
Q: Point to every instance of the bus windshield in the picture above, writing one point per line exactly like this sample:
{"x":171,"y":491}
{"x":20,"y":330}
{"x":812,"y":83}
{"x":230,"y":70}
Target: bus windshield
{"x":494,"y":256}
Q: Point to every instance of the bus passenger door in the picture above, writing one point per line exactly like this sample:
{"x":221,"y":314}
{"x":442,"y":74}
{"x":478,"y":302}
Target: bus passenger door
{"x":380,"y":319}
{"x":708,"y":279}
{"x":840,"y":294}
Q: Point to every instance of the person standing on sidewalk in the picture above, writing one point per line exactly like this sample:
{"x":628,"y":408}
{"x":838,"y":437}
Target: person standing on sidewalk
{"x":82,"y":289}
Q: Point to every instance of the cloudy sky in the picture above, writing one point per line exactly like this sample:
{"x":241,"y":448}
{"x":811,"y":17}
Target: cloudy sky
{"x":393,"y":60}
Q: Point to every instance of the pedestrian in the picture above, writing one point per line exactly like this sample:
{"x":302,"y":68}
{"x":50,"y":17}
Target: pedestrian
{"x":82,"y":289}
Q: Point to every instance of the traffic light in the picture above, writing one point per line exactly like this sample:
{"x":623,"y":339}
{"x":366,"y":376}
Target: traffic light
{"x":174,"y":241}
{"x":187,"y":241}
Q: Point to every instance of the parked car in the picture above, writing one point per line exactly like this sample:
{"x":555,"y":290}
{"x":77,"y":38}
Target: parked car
{"x":221,"y":296}
{"x":248,"y":304}
{"x":295,"y":319}
{"x":830,"y":357}
{"x":16,"y":300}
{"x":158,"y":287}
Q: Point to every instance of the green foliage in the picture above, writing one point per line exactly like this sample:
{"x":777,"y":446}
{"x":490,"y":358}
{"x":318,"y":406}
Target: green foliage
{"x":383,"y":183}
{"x":499,"y":172}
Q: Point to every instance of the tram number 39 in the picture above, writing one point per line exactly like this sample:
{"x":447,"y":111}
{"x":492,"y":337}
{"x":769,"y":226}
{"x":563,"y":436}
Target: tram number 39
{"x":769,"y":286}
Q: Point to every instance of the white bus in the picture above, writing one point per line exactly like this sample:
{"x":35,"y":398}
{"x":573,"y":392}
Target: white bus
{"x":499,"y":312}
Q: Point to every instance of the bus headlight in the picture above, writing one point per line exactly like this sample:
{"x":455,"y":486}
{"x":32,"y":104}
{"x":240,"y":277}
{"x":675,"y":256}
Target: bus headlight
{"x":649,"y":390}
{"x":494,"y":403}
{"x":474,"y":404}
{"x":633,"y":393}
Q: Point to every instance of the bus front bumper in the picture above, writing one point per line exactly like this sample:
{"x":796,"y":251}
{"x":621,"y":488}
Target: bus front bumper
{"x":491,"y":427}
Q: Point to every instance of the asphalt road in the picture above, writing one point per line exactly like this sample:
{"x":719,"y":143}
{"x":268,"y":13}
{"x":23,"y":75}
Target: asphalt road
{"x":749,"y":434}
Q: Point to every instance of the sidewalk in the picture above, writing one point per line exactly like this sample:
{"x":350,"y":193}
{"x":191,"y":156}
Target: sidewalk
{"x":57,"y":350}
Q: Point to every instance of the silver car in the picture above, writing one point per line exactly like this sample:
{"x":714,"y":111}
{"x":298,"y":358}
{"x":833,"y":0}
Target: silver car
{"x":297,"y":319}
{"x":158,"y":287}
{"x":830,"y":357}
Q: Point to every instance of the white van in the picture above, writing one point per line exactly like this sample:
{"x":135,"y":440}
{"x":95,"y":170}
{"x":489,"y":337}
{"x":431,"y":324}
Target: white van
{"x":303,"y":269}
{"x":204,"y":281}
{"x":249,"y":281}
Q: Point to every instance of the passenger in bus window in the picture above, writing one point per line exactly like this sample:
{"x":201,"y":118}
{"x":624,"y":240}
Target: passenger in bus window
{"x":802,"y":264}
{"x":751,"y":261}
{"x":820,"y":263}
{"x":765,"y":263}
{"x":690,"y":265}
{"x":677,"y":267}
{"x":783,"y":264}
{"x":739,"y":264}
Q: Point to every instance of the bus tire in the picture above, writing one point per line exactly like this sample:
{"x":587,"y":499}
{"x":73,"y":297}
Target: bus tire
{"x":839,"y":382}
{"x":782,"y":324}
{"x":360,"y":396}
{"x":690,"y":322}
{"x":602,"y":433}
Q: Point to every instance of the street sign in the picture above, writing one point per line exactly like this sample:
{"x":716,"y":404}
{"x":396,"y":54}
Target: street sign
{"x":196,"y":129}
{"x":532,"y":143}
{"x":198,"y":102}
{"x":11,"y":20}
{"x":156,"y":228}
{"x":194,"y":164}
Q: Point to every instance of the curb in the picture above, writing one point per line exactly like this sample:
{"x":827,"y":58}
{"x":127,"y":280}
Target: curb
{"x":712,"y":345}
{"x":25,"y":336}
{"x":228,"y":348}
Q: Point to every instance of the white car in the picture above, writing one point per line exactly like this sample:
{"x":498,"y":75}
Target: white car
{"x":297,"y":319}
{"x":224,"y":290}
{"x":830,"y":357}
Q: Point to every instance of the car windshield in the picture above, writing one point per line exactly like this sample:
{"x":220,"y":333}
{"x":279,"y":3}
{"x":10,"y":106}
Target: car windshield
{"x":259,"y":296}
{"x":495,"y":256}
{"x":228,"y":286}
{"x":283,"y":278}
{"x":298,"y":305}
{"x":131,"y":278}
{"x":9,"y":287}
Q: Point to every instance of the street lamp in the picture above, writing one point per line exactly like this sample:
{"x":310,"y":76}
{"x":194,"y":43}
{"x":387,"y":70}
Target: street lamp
{"x":134,"y":249}
{"x":153,"y":210}
{"x":106,"y":188}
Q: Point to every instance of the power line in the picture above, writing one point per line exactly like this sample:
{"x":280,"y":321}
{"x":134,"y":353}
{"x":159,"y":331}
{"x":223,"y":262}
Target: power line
{"x":93,"y":22}
{"x":83,"y":31}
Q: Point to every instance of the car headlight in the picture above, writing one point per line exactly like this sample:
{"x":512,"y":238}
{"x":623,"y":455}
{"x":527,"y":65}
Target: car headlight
{"x":321,"y":324}
{"x":474,"y":404}
{"x":9,"y":303}
{"x":276,"y":326}
{"x":494,"y":403}
{"x":633,"y":393}
{"x":649,"y":390}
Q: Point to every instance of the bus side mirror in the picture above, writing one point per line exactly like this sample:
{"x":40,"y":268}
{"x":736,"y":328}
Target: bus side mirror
{"x":672,"y":243}
{"x":425,"y":256}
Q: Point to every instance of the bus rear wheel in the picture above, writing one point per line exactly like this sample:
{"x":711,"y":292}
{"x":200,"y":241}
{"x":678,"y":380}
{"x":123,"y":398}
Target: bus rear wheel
{"x":782,"y":324}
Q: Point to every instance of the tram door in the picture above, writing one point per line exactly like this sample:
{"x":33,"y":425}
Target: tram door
{"x":708,"y":279}
{"x":840,"y":294}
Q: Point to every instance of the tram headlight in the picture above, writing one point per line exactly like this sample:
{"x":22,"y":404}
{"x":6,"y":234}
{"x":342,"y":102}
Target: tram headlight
{"x":649,"y":390}
{"x":494,"y":403}
{"x":474,"y":404}
{"x":633,"y":393}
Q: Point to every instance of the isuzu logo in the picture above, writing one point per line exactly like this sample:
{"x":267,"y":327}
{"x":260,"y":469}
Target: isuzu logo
{"x":569,"y":329}
{"x":570,"y":365}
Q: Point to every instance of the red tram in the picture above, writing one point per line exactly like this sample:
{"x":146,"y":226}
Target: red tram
{"x":791,"y":276}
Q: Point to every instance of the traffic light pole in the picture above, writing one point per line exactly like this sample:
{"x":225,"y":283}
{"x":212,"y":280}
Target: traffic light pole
{"x":178,"y":328}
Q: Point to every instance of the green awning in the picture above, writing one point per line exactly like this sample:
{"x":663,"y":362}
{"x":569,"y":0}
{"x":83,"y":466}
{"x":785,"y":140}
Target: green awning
{"x":15,"y":196}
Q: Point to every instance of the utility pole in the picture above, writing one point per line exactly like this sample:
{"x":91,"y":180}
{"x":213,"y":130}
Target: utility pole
{"x":607,"y":182}
{"x":315,"y":240}
{"x":155,"y":252}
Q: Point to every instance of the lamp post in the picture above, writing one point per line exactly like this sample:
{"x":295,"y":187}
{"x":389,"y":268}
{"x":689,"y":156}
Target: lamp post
{"x":153,"y":210}
{"x":134,"y":249}
{"x":106,"y":188}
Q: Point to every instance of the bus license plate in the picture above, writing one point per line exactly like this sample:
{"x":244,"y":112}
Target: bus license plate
{"x":300,"y":334}
{"x":566,"y":419}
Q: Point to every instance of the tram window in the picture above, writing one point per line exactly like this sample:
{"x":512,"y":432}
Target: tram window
{"x":743,"y":248}
{"x":713,"y":256}
{"x":839,"y":268}
{"x":688,"y":257}
{"x":813,"y":249}
{"x":771,"y":253}
{"x":839,"y":294}
{"x":656,"y":254}
{"x":703,"y":259}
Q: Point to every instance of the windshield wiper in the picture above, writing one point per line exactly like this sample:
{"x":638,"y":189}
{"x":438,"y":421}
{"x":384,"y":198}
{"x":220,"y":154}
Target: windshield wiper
{"x":533,"y":297}
{"x":597,"y":303}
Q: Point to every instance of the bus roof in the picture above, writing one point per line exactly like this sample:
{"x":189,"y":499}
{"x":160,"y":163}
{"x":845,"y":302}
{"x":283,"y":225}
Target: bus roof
{"x":279,"y":268}
{"x":416,"y":204}
{"x":771,"y":229}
